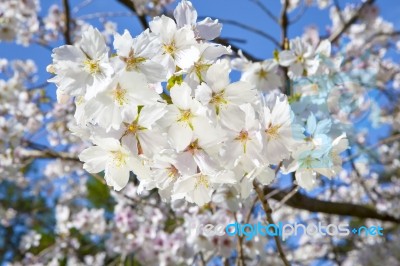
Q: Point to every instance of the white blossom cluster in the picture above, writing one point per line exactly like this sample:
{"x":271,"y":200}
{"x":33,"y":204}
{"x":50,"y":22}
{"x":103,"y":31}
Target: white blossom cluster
{"x":18,"y":20}
{"x":20,"y":115}
{"x":150,"y":7}
{"x":161,"y":105}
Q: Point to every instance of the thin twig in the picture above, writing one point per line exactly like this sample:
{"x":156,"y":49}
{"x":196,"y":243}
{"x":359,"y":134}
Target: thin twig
{"x":384,"y":141}
{"x":44,"y":45}
{"x":336,"y":35}
{"x":270,"y":220}
{"x":105,"y":15}
{"x":273,"y":193}
{"x":339,"y":10}
{"x":240,"y":261}
{"x":248,"y":28}
{"x":287,"y":197}
{"x":81,"y":5}
{"x":99,"y":178}
{"x":49,"y":154}
{"x":251,"y":210}
{"x":266,"y":10}
{"x":236,"y":49}
{"x":284,"y":23}
{"x":142,"y":18}
{"x":202,"y":260}
{"x":361,"y":180}
{"x":300,"y":14}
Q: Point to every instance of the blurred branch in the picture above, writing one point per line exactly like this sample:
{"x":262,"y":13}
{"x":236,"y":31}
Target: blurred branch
{"x":300,"y":14}
{"x":284,"y":22}
{"x":240,"y":261}
{"x":249,"y":28}
{"x":303,"y":202}
{"x":81,"y":5}
{"x":106,"y":15}
{"x":49,"y":154}
{"x":336,"y":35}
{"x":38,"y":86}
{"x":43,"y":44}
{"x":360,"y":179}
{"x":130,"y":5}
{"x":43,"y":152}
{"x":235,"y":48}
{"x":268,"y":212}
{"x":383,"y":141}
{"x":339,"y":10}
{"x":266,"y":10}
{"x":286,"y":198}
{"x":382,"y":34}
{"x":67,"y":30}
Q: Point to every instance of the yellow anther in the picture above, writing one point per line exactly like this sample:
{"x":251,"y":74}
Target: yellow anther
{"x":91,"y":66}
{"x":203,"y":181}
{"x":119,"y":158}
{"x":272,"y":132}
{"x":262,"y":74}
{"x":170,"y":48}
{"x":119,"y":95}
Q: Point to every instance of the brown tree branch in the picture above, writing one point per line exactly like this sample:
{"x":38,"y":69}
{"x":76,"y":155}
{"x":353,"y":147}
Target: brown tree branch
{"x":67,"y":30}
{"x":49,"y":154}
{"x":284,"y":22}
{"x":130,"y":5}
{"x":268,"y":213}
{"x":236,"y":49}
{"x":303,"y":202}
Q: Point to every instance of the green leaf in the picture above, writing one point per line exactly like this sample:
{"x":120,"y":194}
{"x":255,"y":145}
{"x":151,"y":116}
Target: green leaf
{"x":99,"y":194}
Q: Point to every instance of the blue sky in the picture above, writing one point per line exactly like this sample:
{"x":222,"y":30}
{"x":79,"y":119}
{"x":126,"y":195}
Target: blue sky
{"x":243,"y":11}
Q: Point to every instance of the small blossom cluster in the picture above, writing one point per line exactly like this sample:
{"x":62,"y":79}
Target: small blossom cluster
{"x":20,"y":115}
{"x":150,"y":7}
{"x":18,"y":20}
